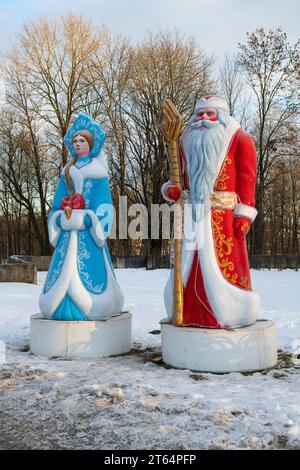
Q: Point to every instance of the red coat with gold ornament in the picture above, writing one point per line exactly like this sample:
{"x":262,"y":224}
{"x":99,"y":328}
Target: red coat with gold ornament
{"x":216,"y":277}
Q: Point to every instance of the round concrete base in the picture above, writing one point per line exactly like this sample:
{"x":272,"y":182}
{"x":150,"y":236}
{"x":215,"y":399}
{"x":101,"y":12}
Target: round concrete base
{"x":251,"y":348}
{"x":80,"y":339}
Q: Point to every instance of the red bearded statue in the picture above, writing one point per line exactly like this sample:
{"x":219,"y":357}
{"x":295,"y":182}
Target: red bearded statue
{"x":218,"y":169}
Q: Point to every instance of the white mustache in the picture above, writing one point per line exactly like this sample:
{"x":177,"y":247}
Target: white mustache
{"x":204,"y":123}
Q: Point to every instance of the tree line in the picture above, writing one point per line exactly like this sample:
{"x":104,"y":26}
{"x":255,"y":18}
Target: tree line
{"x":59,"y":68}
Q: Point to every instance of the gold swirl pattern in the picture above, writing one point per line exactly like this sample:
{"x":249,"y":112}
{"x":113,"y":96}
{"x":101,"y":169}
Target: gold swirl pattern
{"x":245,"y":227}
{"x":224,"y":246}
{"x":221,"y":182}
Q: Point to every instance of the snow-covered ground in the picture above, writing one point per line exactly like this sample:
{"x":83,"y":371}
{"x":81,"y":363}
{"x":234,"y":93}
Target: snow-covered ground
{"x":133,"y":401}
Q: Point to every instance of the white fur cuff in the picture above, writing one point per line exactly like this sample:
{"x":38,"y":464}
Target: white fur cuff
{"x":96,"y":229}
{"x":164,"y":193}
{"x":76,"y":222}
{"x":242,"y":210}
{"x":53,"y":229}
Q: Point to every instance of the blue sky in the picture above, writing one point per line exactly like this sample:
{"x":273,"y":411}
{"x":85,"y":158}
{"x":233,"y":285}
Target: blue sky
{"x":218,"y":25}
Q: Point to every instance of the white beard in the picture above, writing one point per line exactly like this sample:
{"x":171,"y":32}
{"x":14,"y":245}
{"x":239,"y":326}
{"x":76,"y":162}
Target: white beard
{"x":204,"y":148}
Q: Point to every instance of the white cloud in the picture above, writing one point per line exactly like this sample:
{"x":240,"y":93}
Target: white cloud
{"x":217,"y":24}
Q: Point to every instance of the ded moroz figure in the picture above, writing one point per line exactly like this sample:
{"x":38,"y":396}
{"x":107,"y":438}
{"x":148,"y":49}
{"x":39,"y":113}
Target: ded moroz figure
{"x":218,"y":162}
{"x":81,"y":284}
{"x":209,"y":288}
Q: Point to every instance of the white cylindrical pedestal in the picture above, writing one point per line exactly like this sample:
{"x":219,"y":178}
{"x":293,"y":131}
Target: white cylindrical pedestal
{"x":251,"y":348}
{"x":80,"y":339}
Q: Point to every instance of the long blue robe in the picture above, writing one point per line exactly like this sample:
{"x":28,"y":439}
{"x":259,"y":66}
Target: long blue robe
{"x":93,"y":272}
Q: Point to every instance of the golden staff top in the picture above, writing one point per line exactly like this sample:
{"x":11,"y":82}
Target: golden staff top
{"x":170,"y":124}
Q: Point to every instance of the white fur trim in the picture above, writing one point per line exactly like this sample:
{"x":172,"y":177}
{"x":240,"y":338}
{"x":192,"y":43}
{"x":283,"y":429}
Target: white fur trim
{"x":212,"y":102}
{"x":163,"y":192}
{"x":96,"y":229}
{"x":243,"y":210}
{"x":53,"y":229}
{"x":94,"y":306}
{"x":111,"y":301}
{"x":76,"y":222}
{"x":51,"y":300}
{"x":232,"y":306}
{"x":97,"y":168}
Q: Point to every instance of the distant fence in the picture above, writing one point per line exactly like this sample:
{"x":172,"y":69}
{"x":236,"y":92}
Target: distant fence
{"x":120,"y":262}
{"x":158,"y":262}
{"x":43,"y":262}
{"x":275,"y":261}
{"x":256,"y":262}
{"x":163,"y":262}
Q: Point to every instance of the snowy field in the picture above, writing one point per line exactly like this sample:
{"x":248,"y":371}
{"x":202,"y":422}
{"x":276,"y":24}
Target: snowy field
{"x":133,"y":401}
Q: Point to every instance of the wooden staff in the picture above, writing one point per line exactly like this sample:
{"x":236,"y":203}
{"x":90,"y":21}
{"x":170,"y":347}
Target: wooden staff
{"x":170,"y":124}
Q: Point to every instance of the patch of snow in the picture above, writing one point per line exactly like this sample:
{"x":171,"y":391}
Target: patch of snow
{"x":132,"y":401}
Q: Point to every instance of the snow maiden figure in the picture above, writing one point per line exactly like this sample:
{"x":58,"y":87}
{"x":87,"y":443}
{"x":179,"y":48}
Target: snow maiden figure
{"x":81,"y":283}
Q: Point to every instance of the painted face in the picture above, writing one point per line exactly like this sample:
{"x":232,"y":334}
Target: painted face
{"x":81,"y":146}
{"x":206,"y":114}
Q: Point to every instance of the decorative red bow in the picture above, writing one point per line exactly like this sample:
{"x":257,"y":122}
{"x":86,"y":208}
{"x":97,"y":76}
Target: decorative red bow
{"x":75,"y":202}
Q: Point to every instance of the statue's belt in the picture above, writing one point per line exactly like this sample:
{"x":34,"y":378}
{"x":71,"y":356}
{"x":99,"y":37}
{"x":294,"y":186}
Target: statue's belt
{"x":223,"y":200}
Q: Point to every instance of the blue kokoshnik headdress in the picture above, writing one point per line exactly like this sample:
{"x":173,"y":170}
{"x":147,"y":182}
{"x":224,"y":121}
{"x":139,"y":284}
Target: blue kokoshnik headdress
{"x":85,"y":123}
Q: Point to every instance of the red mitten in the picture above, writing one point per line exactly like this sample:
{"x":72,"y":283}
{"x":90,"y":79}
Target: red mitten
{"x":170,"y":191}
{"x":76,"y":202}
{"x":241,"y":226}
{"x":65,"y":202}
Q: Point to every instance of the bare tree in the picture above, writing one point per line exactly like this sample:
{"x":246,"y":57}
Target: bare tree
{"x":165,"y":65}
{"x":109,"y":77}
{"x":20,"y":177}
{"x":234,"y":89}
{"x":46,"y":76}
{"x":270,"y":64}
{"x":56,"y":56}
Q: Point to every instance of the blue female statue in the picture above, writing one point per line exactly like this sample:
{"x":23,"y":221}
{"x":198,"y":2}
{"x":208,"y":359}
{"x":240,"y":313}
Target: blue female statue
{"x":81,"y":283}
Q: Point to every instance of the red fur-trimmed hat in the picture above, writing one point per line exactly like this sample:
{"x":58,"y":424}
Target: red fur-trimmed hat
{"x":212,"y":101}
